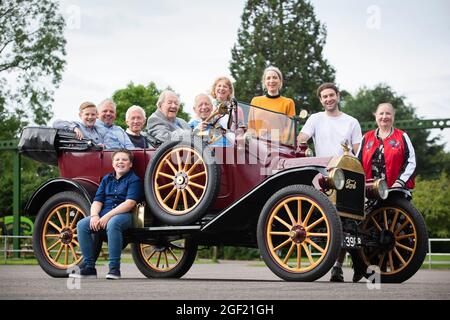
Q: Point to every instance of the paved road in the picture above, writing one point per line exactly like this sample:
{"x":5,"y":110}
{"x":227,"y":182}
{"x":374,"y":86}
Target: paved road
{"x":223,"y":281}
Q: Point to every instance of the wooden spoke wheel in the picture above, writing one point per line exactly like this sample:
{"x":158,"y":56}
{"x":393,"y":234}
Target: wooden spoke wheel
{"x":401,"y":237}
{"x":55,"y":237}
{"x":299,"y":233}
{"x":167,"y":259}
{"x":181,"y":181}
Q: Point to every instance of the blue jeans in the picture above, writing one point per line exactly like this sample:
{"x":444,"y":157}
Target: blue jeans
{"x":114,"y":229}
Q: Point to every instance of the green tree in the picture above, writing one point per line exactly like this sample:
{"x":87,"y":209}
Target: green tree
{"x":143,"y":96}
{"x":32,"y":50}
{"x":285,"y":34}
{"x":429,"y":154}
{"x":431,"y":198}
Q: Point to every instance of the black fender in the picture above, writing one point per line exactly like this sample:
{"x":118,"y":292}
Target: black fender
{"x":400,"y":193}
{"x":243,"y":214}
{"x":51,"y":187}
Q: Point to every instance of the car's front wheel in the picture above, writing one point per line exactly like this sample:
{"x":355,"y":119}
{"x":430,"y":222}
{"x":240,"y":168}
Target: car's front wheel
{"x":55,"y":239}
{"x":299,"y":233}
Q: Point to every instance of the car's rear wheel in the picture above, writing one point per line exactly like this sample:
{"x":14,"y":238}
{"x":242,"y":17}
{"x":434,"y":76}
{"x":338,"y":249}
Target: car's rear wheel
{"x":166,"y":259}
{"x":181,"y":181}
{"x":299,"y":233}
{"x":55,"y":240}
{"x":402,"y":239}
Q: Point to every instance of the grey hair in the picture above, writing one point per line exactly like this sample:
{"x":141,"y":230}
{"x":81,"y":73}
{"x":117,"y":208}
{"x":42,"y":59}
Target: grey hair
{"x":274,"y":69}
{"x":134,"y":108}
{"x":385,"y":104}
{"x":108,"y":100}
{"x":163,"y":95}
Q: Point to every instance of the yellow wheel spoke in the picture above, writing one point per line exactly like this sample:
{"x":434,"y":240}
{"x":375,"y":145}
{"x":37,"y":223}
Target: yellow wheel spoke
{"x":185,"y":202}
{"x":166,"y":259}
{"x":299,"y":256}
{"x":177,"y":198}
{"x":75,"y":242}
{"x":73,"y":252}
{"x":67,"y":216}
{"x":280,"y":233}
{"x":299,"y":212}
{"x":159,"y":259}
{"x":165,"y":186}
{"x":53,"y":245}
{"x":315,"y":245}
{"x":381,"y":260}
{"x":376,"y":224}
{"x":192,"y":194}
{"x":291,"y":249}
{"x":179,"y":161}
{"x":60,"y":219}
{"x":386,"y":225}
{"x":66,"y":254}
{"x":401,"y":228}
{"x":59,"y":252}
{"x":151,"y":256}
{"x":405,"y":236}
{"x":173,"y":254}
{"x":288,"y":210}
{"x":283,"y":222}
{"x":399,"y":256}
{"x":194,"y":165}
{"x":308,"y":216}
{"x":165,"y":175}
{"x":394,"y":221}
{"x":312,"y":234}
{"x":196,"y":185}
{"x":308,"y":253}
{"x":188,"y":158}
{"x":197,"y":175}
{"x":171,"y":166}
{"x":397,"y":244}
{"x":314,"y":224}
{"x":391,"y":261}
{"x":282,"y":245}
{"x":169,"y":195}
{"x":72,"y":225}
{"x":54,"y":235}
{"x":55,"y":226}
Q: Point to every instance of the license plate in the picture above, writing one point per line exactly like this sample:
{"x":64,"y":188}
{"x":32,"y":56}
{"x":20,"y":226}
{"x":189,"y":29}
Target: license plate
{"x":351,"y":241}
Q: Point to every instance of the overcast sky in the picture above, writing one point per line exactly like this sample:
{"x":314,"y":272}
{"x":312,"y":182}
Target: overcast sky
{"x":187,"y":44}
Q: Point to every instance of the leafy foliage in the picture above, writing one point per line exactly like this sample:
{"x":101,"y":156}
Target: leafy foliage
{"x":32,"y":50}
{"x":285,"y":34}
{"x":143,"y":96}
{"x":432,"y":200}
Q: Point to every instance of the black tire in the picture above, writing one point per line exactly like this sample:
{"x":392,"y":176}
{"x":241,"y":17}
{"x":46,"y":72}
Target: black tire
{"x":274,"y":236}
{"x":47,"y":218}
{"x":393,"y":242}
{"x":185,"y":254}
{"x":184,"y":191}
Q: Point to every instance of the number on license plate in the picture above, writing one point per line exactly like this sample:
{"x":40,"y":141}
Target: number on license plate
{"x":352,"y":241}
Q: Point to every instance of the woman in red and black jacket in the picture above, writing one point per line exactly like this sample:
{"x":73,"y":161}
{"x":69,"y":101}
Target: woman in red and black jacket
{"x":387,"y":152}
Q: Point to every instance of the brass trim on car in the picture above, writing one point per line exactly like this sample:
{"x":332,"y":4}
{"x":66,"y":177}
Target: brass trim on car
{"x":346,"y":162}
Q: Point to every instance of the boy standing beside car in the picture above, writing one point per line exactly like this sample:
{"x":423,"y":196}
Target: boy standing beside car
{"x":117,"y":195}
{"x":329,"y":129}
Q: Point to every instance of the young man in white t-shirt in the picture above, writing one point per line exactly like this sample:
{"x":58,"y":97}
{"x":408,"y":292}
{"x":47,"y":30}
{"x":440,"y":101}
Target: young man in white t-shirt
{"x":329,"y":129}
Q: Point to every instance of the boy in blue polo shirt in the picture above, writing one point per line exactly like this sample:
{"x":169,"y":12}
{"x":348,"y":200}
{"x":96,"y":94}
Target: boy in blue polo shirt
{"x":116,"y":196}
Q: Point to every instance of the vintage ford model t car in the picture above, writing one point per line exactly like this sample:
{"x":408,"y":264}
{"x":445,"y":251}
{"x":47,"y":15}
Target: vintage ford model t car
{"x":261,"y":190}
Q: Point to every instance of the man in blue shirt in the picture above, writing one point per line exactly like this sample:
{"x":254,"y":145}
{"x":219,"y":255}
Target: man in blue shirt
{"x":116,"y":138}
{"x":116,"y":196}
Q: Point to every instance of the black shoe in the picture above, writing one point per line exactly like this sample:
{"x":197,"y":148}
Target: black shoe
{"x":357,"y":276}
{"x":113,"y":274}
{"x":337,"y":275}
{"x":84,"y":273}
